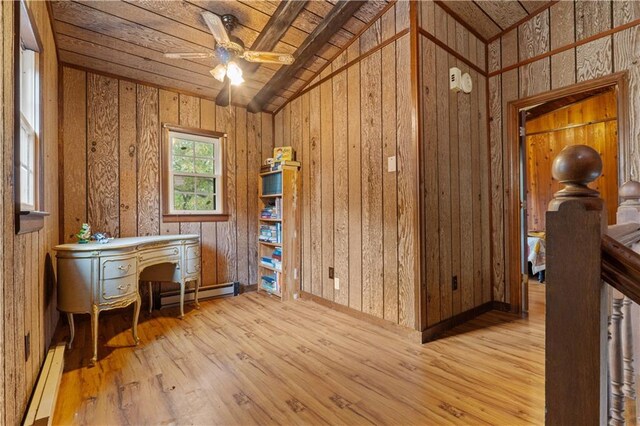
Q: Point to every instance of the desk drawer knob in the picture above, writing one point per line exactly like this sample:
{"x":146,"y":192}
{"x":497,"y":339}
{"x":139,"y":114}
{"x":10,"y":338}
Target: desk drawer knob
{"x":124,"y":287}
{"x":124,"y":269}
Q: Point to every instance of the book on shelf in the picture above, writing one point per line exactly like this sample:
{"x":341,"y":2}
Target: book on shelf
{"x":271,"y":262}
{"x":272,"y":184}
{"x":270,"y":282}
{"x":271,"y":233}
{"x":278,"y":166}
{"x":277,"y":254}
{"x":272,"y":210}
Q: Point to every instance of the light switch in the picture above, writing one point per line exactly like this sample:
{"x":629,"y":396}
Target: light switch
{"x":391,"y":164}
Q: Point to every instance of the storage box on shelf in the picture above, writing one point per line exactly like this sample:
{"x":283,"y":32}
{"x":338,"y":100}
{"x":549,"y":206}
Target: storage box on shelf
{"x":279,"y":246}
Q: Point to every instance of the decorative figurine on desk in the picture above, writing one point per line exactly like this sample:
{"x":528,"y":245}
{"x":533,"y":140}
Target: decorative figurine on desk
{"x":101,"y":238}
{"x":84,"y":235}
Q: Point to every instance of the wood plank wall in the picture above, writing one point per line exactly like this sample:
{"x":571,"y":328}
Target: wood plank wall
{"x":454,"y":168}
{"x":111,"y":146}
{"x":563,"y":24}
{"x":357,"y":217}
{"x":27,"y":283}
{"x":591,"y":122}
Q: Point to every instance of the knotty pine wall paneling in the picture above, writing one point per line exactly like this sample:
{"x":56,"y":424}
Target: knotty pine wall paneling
{"x":358,"y":217}
{"x":127,"y":164}
{"x":591,"y":122}
{"x":372,"y":230}
{"x":563,"y":24}
{"x":455,"y":177}
{"x":407,"y":177}
{"x":102,"y":154}
{"x":208,"y":229}
{"x":389,"y":94}
{"x":27,"y":279}
{"x":123,"y":125}
{"x":340,"y":180}
{"x":326,"y":170}
{"x":365,"y":226}
{"x":354,"y":160}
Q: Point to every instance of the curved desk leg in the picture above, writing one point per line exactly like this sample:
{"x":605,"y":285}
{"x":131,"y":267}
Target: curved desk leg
{"x":196,"y":292}
{"x":94,"y":333}
{"x":136,"y":315}
{"x":150,"y":296}
{"x":72,"y":329}
{"x":182,"y":285}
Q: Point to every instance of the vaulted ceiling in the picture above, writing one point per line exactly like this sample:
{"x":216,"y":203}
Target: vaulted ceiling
{"x":490,"y":17}
{"x":129,"y":39}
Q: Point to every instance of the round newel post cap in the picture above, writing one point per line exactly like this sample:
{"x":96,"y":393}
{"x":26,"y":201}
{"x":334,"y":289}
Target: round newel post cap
{"x":575,"y":167}
{"x":630,"y":190}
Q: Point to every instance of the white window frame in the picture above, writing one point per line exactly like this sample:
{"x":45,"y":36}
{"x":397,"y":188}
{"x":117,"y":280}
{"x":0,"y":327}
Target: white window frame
{"x":29,"y":155}
{"x":218,"y":173}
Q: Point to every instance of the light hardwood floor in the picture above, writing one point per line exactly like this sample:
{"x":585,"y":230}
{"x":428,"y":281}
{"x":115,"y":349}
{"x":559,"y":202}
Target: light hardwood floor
{"x":254,"y":360}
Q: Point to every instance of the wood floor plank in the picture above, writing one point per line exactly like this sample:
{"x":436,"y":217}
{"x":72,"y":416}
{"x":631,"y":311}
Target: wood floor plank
{"x":243,"y":360}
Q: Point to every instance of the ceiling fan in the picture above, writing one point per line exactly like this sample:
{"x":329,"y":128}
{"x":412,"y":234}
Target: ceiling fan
{"x":229,"y":49}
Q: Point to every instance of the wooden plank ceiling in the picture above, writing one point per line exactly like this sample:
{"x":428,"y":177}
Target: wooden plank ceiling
{"x":488,"y":18}
{"x":129,"y":38}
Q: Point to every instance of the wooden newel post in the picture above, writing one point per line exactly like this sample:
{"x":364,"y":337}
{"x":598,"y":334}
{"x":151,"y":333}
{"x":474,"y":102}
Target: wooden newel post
{"x":576,"y":317}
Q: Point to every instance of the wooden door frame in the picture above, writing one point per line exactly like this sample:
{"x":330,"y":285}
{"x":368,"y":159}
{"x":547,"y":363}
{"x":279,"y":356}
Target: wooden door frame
{"x":618,"y":80}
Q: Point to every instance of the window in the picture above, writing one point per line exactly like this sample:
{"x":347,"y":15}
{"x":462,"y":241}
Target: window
{"x":28,"y":149}
{"x":29,"y":112}
{"x":194,"y":174}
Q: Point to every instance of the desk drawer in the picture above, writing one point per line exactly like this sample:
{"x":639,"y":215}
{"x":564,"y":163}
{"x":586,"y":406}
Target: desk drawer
{"x":193,"y":266}
{"x":169,"y":253}
{"x":118,"y":287}
{"x":118,"y":268}
{"x":193,"y":252}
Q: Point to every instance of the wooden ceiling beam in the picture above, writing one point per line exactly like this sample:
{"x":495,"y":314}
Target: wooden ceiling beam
{"x":341,"y":12}
{"x":278,"y":24}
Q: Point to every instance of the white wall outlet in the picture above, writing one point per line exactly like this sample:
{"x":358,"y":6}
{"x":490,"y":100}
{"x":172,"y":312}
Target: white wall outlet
{"x":391,"y":164}
{"x":336,"y":283}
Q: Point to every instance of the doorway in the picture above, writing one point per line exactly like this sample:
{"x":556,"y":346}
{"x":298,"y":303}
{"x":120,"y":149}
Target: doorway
{"x":591,"y":113}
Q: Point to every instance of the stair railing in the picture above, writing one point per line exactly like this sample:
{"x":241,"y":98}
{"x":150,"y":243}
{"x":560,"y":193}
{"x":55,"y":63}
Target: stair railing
{"x":589,"y":341}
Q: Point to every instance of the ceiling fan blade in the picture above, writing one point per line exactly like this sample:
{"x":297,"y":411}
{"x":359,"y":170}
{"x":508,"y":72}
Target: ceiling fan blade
{"x":268,"y":57}
{"x":189,"y":55}
{"x":216,"y":27}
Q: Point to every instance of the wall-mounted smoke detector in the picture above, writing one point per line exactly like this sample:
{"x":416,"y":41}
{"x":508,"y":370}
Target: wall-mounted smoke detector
{"x":459,"y":81}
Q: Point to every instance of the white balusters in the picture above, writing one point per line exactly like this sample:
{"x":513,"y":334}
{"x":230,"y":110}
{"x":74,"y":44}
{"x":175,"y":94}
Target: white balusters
{"x":629,"y":387}
{"x":616,"y":369}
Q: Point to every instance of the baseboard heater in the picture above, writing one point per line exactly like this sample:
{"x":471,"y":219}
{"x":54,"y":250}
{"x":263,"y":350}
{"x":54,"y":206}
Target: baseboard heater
{"x":45,"y":394}
{"x":172,"y":298}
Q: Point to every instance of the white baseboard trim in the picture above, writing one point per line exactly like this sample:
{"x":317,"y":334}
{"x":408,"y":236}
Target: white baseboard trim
{"x":45,"y":394}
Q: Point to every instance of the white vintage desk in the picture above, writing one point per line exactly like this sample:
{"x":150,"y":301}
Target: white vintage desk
{"x":97,"y":277}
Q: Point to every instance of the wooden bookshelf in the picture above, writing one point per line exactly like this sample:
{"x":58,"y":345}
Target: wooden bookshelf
{"x":280,"y":187}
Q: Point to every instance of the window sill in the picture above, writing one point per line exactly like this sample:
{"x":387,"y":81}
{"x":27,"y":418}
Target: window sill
{"x":30,"y":221}
{"x":172,"y":218}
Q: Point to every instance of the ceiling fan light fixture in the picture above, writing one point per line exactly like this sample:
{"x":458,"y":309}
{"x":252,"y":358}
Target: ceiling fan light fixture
{"x":233,"y":71}
{"x":219,"y":72}
{"x":236,"y":81}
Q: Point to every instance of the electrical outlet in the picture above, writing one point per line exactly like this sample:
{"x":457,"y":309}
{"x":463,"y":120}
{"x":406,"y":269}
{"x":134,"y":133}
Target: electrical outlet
{"x":336,"y":283}
{"x":454,"y":282}
{"x":331,"y":272}
{"x":27,"y":346}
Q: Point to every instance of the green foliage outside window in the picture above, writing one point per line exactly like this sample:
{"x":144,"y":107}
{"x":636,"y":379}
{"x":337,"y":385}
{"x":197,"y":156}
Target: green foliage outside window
{"x":194,"y":182}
